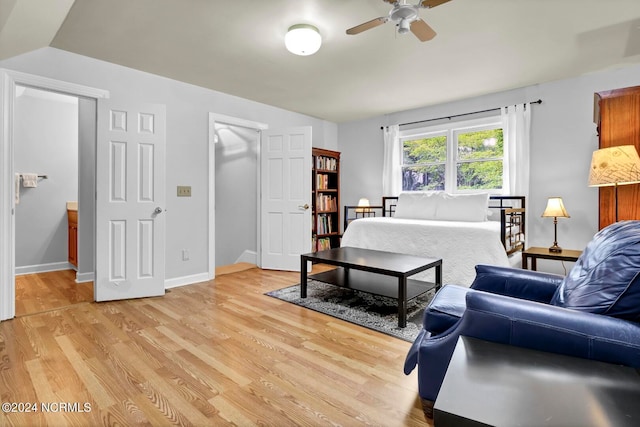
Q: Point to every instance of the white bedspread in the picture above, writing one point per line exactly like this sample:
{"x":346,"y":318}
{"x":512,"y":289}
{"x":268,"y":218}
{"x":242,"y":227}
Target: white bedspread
{"x":461,"y":245}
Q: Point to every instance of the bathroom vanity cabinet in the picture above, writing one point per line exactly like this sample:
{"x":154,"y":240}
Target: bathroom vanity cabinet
{"x":72,"y":217}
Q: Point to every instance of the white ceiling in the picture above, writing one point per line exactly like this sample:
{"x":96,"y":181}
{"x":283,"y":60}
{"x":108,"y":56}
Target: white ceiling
{"x":237,"y":47}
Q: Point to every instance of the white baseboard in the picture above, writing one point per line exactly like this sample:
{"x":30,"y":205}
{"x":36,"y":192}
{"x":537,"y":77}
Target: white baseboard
{"x":248,"y":256}
{"x":84,"y":277}
{"x":89,"y":277}
{"x":186,"y":280}
{"x":43,"y":268}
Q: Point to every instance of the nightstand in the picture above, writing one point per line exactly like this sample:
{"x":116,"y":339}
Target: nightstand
{"x":543,"y":253}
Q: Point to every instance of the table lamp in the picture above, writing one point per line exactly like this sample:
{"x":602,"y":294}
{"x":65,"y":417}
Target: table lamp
{"x":555,"y":208}
{"x":614,"y":166}
{"x":363,"y":205}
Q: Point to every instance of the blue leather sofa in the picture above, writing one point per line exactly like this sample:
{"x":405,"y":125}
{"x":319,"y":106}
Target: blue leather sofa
{"x":593,"y":312}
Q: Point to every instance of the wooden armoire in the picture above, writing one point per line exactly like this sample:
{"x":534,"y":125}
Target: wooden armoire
{"x":617,"y":116}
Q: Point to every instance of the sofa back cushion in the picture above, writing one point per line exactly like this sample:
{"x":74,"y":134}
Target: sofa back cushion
{"x":606,"y":277}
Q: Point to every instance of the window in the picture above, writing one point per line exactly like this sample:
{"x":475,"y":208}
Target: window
{"x":457,"y":157}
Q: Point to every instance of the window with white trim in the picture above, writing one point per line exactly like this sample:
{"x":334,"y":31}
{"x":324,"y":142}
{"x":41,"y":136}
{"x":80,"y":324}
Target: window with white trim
{"x":456,"y":157}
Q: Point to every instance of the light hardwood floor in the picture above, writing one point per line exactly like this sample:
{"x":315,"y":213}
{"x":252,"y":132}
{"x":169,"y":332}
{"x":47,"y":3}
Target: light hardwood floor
{"x":214,"y":353}
{"x":36,"y":293}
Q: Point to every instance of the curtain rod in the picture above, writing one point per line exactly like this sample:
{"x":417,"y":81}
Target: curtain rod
{"x":539,"y":101}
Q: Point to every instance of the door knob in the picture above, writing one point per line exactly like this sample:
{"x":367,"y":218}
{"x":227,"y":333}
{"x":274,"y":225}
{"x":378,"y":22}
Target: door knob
{"x":305,"y":206}
{"x":157,"y":210}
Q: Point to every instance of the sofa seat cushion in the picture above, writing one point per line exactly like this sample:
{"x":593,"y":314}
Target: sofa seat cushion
{"x":606,"y":277}
{"x":445,"y":309}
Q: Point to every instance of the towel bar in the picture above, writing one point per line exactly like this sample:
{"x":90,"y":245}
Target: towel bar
{"x":39,"y":176}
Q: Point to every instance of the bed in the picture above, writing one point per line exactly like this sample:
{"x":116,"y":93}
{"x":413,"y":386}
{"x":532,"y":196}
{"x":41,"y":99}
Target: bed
{"x":463,"y":230}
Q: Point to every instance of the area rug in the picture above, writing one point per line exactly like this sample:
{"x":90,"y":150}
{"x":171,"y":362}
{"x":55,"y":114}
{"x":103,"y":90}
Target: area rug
{"x":371,"y":311}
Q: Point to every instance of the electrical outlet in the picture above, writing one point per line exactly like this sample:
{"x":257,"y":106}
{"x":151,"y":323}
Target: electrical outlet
{"x":185,"y":255}
{"x":184,"y":191}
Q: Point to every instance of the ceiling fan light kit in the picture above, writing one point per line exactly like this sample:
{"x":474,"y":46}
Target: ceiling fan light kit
{"x":303,"y":39}
{"x":403,"y":26}
{"x":406,"y":18}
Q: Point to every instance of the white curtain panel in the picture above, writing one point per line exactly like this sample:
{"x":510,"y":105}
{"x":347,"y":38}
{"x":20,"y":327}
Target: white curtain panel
{"x":391,"y":165}
{"x":516,"y":125}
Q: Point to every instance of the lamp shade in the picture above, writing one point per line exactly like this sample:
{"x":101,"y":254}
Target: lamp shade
{"x":303,"y":39}
{"x":614,"y":166}
{"x":555,"y":208}
{"x":363,"y":205}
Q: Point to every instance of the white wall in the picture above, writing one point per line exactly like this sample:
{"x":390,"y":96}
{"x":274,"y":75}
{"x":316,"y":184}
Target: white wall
{"x":563,"y":136}
{"x":46,"y":142}
{"x":87,"y":110}
{"x":187,"y":136}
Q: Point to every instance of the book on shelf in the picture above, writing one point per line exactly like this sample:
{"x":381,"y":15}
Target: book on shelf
{"x":323,"y":243}
{"x":326,"y":202}
{"x":325,"y":224}
{"x":322,"y":181}
{"x":326,"y":163}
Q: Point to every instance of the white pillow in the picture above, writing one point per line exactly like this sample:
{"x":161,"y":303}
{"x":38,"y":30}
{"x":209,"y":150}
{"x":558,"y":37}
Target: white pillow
{"x":418,"y":205}
{"x":463,"y":207}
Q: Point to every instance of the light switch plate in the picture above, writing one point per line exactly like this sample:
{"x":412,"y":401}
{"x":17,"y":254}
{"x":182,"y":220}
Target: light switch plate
{"x":184,"y":191}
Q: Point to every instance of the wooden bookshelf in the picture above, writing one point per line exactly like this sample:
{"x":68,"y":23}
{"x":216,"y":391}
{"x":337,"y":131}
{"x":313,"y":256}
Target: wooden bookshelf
{"x":326,"y":199}
{"x":617,"y":116}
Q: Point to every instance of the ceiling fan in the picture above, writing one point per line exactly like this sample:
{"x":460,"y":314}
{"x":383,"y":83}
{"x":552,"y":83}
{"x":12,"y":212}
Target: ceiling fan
{"x":406,"y":18}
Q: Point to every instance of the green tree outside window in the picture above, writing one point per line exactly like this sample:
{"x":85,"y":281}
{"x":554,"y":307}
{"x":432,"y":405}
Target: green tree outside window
{"x":478,"y":162}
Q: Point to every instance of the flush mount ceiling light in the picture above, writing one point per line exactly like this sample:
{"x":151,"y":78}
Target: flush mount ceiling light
{"x":303,"y":39}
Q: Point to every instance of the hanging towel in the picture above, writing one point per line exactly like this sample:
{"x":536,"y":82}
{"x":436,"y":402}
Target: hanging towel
{"x":17,"y":188}
{"x":29,"y":180}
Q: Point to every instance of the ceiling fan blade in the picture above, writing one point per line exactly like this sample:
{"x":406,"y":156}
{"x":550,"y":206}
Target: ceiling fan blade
{"x":367,"y":25}
{"x":422,"y":30}
{"x":391,"y":1}
{"x":432,"y":3}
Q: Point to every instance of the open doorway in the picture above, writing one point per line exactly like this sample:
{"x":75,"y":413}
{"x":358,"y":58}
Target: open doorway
{"x":49,"y":131}
{"x":236,"y":173}
{"x":236,"y":155}
{"x":87,"y":137}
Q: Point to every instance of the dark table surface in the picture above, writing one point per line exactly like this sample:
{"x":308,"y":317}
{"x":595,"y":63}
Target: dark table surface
{"x":374,"y":261}
{"x":501,"y":385}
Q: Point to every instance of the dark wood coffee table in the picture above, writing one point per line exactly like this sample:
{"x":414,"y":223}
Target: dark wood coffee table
{"x":385,"y":266}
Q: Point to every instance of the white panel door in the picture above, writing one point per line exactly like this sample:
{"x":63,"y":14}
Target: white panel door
{"x":285,"y":200}
{"x":130,"y":201}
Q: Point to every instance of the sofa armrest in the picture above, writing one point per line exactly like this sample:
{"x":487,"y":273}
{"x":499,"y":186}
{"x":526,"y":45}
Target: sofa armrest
{"x":527,"y":324}
{"x":517,"y":283}
{"x":550,"y":328}
{"x":411,"y":360}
